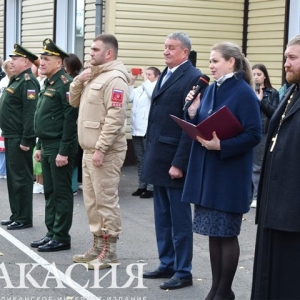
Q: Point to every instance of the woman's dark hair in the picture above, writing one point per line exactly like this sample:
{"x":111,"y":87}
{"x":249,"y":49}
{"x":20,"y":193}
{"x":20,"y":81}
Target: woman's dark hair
{"x":72,"y":65}
{"x":263,"y":68}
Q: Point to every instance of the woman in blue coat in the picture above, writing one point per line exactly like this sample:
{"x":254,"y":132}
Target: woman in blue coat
{"x":218,"y":179}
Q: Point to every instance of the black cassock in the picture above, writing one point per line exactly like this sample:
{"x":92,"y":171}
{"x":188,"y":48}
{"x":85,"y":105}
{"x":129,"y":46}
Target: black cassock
{"x":276,"y":273}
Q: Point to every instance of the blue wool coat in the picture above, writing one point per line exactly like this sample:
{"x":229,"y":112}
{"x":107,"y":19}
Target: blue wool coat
{"x":167,"y":144}
{"x":222,"y":179}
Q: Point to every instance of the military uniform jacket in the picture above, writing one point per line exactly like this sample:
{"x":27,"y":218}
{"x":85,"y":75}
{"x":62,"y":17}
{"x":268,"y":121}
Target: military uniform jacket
{"x":55,"y":118}
{"x":102,"y":112}
{"x":17,"y":107}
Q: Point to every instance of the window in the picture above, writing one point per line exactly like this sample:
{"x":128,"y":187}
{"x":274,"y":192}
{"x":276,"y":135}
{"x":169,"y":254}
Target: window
{"x":294,"y":26}
{"x":13,"y":24}
{"x":70,"y":26}
{"x":79,"y":31}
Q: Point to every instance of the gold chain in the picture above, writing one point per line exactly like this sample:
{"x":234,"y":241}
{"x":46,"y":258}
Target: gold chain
{"x":274,"y":139}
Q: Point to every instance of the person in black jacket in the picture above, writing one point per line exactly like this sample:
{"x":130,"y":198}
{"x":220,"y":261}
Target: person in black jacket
{"x":269,"y":100}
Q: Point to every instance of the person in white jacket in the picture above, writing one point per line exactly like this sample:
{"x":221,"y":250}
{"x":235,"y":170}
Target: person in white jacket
{"x":7,"y":68}
{"x":141,"y":101}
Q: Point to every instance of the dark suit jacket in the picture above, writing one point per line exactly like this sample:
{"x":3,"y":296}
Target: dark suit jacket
{"x":279,"y":188}
{"x":167,"y":145}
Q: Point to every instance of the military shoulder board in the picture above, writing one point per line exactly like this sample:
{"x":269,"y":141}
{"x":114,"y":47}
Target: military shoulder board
{"x":26,"y":76}
{"x":64,"y":79}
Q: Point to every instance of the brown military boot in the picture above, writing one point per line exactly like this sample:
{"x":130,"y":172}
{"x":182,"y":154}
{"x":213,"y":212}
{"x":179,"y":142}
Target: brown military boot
{"x":108,"y":254}
{"x":92,"y":253}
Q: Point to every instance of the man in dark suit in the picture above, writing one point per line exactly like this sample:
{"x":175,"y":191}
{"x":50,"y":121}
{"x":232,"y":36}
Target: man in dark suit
{"x":165,"y":162}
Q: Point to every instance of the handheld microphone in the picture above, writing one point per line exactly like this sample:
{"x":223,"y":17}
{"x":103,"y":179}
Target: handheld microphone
{"x":202,"y":84}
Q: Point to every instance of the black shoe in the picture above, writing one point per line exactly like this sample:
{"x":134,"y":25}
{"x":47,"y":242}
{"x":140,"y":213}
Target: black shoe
{"x":138,"y":192}
{"x":17,"y":225}
{"x":157,"y":274}
{"x":147,"y":194}
{"x":6,"y":222}
{"x":230,"y":297}
{"x":176,"y":283}
{"x":54,"y":246}
{"x":41,"y":242}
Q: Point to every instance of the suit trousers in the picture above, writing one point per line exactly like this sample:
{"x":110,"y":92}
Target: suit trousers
{"x":19,"y":170}
{"x":58,"y":193}
{"x":173,"y":226}
{"x":139,"y":146}
{"x":100,"y":192}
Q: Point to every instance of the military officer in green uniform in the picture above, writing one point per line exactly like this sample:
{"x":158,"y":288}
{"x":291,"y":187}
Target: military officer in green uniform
{"x":55,"y":126}
{"x":17,"y":108}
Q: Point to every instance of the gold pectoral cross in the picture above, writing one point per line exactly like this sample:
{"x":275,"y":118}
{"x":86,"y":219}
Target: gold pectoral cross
{"x":274,"y":139}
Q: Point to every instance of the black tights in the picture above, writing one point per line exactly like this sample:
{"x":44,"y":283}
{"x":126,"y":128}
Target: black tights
{"x":224,"y":257}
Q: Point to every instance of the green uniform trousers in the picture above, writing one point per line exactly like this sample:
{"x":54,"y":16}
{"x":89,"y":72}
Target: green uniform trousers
{"x":58,"y":193}
{"x":19,"y":171}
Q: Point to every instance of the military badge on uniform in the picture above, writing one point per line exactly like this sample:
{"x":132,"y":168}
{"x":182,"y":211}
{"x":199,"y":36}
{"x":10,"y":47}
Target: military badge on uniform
{"x":64,"y":79}
{"x":31,"y":94}
{"x":10,"y":90}
{"x":26,"y":76}
{"x":117,"y":97}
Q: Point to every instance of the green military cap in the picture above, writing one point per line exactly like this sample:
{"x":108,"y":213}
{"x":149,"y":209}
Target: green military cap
{"x":23,"y":52}
{"x":50,"y":49}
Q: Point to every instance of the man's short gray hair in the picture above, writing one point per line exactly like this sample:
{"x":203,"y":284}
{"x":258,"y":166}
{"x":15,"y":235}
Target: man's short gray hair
{"x":183,"y":38}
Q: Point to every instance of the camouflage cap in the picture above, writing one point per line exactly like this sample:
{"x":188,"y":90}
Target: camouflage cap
{"x":23,"y":52}
{"x":50,"y":49}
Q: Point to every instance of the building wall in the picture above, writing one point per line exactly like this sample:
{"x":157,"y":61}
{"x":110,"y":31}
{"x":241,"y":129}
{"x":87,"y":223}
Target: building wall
{"x":89,"y":27}
{"x":142,"y":26}
{"x":37,"y":23}
{"x":266,"y":36}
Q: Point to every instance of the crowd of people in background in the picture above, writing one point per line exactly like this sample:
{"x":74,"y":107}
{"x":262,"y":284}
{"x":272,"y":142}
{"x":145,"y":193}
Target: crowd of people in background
{"x":66,"y":124}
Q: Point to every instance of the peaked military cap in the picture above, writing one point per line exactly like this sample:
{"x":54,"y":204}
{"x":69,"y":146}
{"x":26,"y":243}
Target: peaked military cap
{"x":50,"y":49}
{"x":23,"y":52}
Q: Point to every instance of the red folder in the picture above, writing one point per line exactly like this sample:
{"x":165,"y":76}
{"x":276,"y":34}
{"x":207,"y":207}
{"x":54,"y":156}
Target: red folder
{"x":223,"y":122}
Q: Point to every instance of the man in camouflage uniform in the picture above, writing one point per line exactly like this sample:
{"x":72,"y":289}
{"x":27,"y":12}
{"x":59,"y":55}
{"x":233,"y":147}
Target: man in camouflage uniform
{"x":17,"y":108}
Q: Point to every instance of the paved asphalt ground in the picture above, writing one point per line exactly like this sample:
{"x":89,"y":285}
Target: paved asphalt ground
{"x":28,"y":274}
